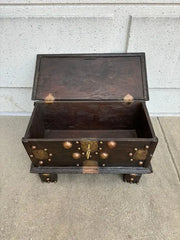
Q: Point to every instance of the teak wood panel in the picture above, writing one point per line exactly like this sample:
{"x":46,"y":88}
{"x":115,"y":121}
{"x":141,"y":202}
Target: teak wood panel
{"x":90,"y":77}
{"x":101,"y":170}
{"x":91,"y":117}
{"x":119,"y":156}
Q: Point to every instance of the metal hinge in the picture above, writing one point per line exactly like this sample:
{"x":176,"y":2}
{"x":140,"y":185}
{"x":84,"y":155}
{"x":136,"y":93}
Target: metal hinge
{"x":49,"y":98}
{"x":128,"y":98}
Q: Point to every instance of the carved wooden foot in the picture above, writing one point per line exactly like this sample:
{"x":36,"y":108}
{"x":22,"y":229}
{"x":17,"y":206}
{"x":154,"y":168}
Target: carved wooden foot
{"x":48,"y":177}
{"x":132,"y":178}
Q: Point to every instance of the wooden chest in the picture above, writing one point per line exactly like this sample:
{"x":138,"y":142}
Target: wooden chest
{"x":90,"y":116}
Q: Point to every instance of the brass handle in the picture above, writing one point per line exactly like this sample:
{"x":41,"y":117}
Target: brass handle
{"x":88,"y":151}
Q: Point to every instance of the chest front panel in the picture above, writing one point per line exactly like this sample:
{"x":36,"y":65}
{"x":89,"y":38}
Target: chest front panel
{"x":75,"y":153}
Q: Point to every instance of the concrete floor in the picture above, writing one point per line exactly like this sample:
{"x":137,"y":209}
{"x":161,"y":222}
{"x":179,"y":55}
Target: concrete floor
{"x":89,"y":207}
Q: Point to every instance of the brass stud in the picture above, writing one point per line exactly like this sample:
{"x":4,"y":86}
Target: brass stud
{"x":48,"y":179}
{"x":132,"y":179}
{"x":76,"y":155}
{"x":101,"y":142}
{"x":45,"y":149}
{"x":79,"y":148}
{"x":33,"y":147}
{"x":104,"y":155}
{"x":130,"y":154}
{"x":40,"y":162}
{"x":147,"y":147}
{"x":50,"y":154}
{"x":96,"y":153}
{"x":83,"y":153}
{"x":100,"y":148}
{"x":49,"y":160}
{"x":77,"y":142}
{"x":141,"y":163}
{"x":103,"y":164}
{"x":131,"y":159}
{"x":111,"y":144}
{"x":31,"y":156}
{"x":77,"y":164}
{"x":67,"y":145}
{"x":135,"y":149}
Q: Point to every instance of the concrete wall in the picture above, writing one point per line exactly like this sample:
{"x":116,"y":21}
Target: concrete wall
{"x":96,"y":26}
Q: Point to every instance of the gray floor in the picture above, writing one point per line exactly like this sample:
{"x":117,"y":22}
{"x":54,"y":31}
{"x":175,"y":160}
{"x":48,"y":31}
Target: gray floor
{"x":83,"y":207}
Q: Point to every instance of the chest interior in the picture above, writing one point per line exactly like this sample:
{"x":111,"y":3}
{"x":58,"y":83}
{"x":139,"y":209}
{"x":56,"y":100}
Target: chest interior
{"x":73,"y":120}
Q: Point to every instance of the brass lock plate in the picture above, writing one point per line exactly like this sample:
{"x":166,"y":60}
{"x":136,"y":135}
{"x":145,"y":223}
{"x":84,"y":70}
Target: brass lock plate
{"x":92,"y":145}
{"x":89,"y":147}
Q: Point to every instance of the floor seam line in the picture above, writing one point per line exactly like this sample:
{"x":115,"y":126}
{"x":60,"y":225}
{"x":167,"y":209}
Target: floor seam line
{"x":169,"y":150}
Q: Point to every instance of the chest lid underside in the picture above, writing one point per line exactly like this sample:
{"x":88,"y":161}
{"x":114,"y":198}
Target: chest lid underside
{"x":98,"y":77}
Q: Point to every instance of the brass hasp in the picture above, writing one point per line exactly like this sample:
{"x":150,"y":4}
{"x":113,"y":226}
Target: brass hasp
{"x":89,"y":147}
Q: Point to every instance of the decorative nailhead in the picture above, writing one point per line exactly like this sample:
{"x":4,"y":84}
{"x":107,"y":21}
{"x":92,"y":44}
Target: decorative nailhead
{"x":67,"y":145}
{"x":111,"y":144}
{"x":104,"y":155}
{"x":76,"y":155}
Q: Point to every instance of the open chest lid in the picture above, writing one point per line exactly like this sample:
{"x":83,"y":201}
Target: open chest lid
{"x":98,"y":77}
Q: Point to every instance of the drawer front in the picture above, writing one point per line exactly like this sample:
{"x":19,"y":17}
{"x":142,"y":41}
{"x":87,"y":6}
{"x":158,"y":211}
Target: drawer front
{"x":90,"y":153}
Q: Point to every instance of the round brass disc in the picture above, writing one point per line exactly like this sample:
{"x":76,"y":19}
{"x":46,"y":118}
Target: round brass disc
{"x":40,"y":154}
{"x":140,"y":154}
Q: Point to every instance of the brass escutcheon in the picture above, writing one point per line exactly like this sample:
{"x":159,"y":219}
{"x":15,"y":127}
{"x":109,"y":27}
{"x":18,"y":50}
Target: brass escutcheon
{"x":89,"y":147}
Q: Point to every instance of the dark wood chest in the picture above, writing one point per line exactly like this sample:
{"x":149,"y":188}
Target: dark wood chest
{"x":90,"y":116}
